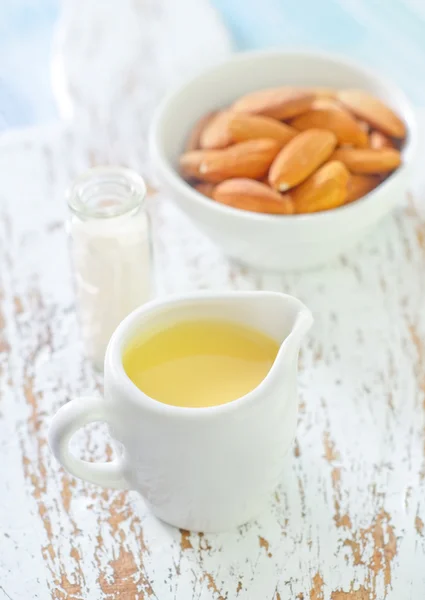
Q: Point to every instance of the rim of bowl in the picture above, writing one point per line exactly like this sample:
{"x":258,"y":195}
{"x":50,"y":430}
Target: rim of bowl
{"x":176,"y":180}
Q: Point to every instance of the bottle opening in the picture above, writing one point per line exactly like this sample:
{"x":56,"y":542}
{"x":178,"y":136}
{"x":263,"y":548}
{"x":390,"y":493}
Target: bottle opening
{"x":105,"y":192}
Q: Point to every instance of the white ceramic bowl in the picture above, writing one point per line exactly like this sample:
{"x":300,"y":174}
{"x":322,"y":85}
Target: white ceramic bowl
{"x":272,"y":242}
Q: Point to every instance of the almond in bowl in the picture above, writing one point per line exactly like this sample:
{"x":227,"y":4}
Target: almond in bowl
{"x":288,"y":150}
{"x":285,"y":177}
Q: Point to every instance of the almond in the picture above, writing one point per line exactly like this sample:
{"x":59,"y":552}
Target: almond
{"x":301,"y":157}
{"x":342,"y":124}
{"x":328,"y":103}
{"x":280,"y":103}
{"x":378,"y":140}
{"x":324,"y":190}
{"x":190,"y":163}
{"x":247,"y":159}
{"x":193,"y":141}
{"x":248,"y":194}
{"x":205,"y":188}
{"x":216,"y":132}
{"x":322,"y":91}
{"x":248,"y":127}
{"x":368,"y":161}
{"x":364,"y":126}
{"x":373,"y":111}
{"x":360,"y":185}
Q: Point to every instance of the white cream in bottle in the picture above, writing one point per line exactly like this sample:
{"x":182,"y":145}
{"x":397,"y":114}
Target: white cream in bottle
{"x":111,"y":252}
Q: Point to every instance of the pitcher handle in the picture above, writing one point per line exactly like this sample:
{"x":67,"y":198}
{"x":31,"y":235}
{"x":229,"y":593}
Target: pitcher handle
{"x":68,"y":420}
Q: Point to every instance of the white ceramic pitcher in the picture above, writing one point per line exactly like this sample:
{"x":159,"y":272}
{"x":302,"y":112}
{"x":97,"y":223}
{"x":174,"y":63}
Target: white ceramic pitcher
{"x":204,"y":469}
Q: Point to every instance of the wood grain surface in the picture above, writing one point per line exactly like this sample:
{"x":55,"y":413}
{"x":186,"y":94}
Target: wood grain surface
{"x":346,"y":522}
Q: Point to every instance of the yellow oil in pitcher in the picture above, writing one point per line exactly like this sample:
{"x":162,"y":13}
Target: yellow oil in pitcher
{"x":199,"y":363}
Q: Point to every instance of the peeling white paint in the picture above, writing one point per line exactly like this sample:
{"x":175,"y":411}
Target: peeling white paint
{"x":345,"y":522}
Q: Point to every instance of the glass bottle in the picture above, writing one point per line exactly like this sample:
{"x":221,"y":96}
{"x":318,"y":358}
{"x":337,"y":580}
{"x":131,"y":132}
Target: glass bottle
{"x":111,"y":252}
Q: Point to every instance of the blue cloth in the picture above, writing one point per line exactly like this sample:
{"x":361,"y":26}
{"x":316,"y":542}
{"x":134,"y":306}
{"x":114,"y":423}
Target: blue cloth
{"x":388,"y":35}
{"x":26,"y":31}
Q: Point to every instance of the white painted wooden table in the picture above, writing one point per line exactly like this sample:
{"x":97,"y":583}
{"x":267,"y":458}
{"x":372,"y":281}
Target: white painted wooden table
{"x":347,"y":521}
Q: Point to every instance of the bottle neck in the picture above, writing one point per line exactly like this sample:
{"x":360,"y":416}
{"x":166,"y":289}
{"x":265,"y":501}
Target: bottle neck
{"x":106,"y":192}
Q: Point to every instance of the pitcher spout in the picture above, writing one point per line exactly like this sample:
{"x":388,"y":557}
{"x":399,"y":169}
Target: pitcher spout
{"x":287,"y":320}
{"x":290,"y":348}
{"x":284,"y":318}
{"x":302,"y":323}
